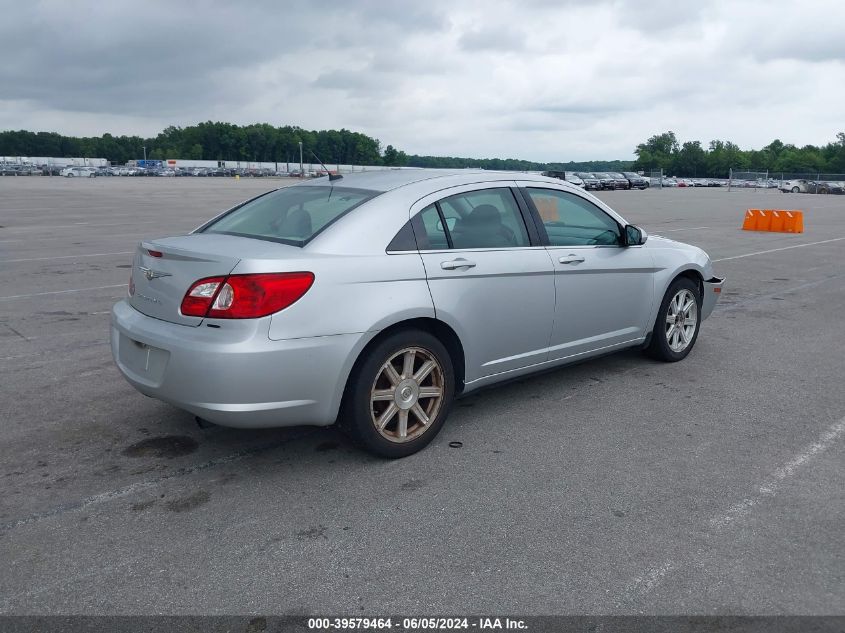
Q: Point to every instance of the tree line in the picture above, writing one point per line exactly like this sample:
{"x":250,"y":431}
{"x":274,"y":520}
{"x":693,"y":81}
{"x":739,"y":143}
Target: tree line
{"x":260,"y":142}
{"x":691,"y":159}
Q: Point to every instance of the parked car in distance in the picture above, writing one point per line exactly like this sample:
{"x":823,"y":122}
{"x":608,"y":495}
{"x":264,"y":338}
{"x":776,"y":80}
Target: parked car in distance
{"x":619,"y":181}
{"x":635,"y":180}
{"x":79,"y":172}
{"x":274,"y":312}
{"x":568,"y":176}
{"x":606,"y":181}
{"x":825,"y":187}
{"x":794,"y":186}
{"x":590,"y":181}
{"x":572,"y":179}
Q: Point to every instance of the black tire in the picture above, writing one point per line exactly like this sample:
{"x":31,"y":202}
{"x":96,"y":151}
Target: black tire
{"x":796,"y":190}
{"x":659,"y":347}
{"x":358,"y":413}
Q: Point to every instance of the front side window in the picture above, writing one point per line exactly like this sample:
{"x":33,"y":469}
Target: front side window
{"x":571,"y":220}
{"x":292,"y":215}
{"x":488,"y":218}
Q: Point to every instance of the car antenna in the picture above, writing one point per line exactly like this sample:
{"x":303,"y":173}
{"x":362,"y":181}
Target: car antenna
{"x":331,"y":175}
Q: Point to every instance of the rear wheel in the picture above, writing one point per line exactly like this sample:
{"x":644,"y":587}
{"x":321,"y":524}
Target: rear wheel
{"x":795,"y":190}
{"x":399,"y":395}
{"x":678,"y":321}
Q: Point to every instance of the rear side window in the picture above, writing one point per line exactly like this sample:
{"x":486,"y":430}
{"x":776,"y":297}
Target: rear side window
{"x":571,"y":220}
{"x":489,"y":218}
{"x":293,"y":215}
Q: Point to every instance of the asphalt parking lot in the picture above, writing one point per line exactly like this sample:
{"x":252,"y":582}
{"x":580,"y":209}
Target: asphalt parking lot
{"x":620,"y":485}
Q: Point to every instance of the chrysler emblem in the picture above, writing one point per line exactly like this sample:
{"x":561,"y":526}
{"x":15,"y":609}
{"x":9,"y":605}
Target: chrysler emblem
{"x":151,"y":274}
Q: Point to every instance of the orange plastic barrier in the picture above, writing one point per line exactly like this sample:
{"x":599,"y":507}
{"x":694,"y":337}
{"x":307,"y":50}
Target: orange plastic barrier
{"x":776,"y":220}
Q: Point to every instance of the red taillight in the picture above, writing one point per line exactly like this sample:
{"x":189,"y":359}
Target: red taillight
{"x":245,"y":296}
{"x":154,"y":253}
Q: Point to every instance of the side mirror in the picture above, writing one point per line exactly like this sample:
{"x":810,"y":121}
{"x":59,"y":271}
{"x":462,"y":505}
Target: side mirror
{"x":634,"y":236}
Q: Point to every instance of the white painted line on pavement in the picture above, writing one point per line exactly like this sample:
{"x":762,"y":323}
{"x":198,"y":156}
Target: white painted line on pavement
{"x":775,"y":250}
{"x":643,"y":583}
{"x":59,"y":292}
{"x":44,"y":259}
{"x":770,"y":486}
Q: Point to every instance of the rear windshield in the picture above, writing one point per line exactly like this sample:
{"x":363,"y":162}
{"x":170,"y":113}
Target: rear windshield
{"x":293,"y":215}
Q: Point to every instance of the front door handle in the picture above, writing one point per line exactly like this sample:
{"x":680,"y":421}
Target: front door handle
{"x":572,"y":258}
{"x":457,"y":263}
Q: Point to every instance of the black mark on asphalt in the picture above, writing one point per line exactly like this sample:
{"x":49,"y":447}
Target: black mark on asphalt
{"x":455,"y":444}
{"x":413,"y":484}
{"x":107,"y":470}
{"x":142,"y":505}
{"x":322,"y":447}
{"x":618,"y":513}
{"x":124,"y":266}
{"x":16,"y":332}
{"x":168,"y":446}
{"x":191,"y":502}
{"x":132,"y":488}
{"x":257,"y":624}
{"x":312,"y":533}
{"x":226,"y":478}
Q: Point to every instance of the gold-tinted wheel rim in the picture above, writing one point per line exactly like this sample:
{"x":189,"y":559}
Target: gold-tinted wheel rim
{"x":407,"y":394}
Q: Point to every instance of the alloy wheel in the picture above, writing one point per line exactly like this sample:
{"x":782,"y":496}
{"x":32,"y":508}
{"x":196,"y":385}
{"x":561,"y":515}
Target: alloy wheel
{"x":407,"y":394}
{"x":681,"y":320}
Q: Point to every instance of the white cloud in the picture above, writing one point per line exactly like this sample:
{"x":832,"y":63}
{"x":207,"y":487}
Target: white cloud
{"x":539,"y":80}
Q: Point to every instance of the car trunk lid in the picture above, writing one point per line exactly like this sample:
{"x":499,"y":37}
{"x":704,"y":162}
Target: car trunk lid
{"x":164,"y":269}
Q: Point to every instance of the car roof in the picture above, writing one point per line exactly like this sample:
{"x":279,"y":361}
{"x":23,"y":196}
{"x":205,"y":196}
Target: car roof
{"x":389,"y":179}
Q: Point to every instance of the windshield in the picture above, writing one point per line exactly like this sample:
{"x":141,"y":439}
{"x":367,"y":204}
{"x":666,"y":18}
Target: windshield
{"x":293,"y":215}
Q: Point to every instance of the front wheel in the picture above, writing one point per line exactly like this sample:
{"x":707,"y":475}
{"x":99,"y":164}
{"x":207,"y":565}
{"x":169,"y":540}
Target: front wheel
{"x":399,"y":395}
{"x":678,"y":321}
{"x":795,"y":190}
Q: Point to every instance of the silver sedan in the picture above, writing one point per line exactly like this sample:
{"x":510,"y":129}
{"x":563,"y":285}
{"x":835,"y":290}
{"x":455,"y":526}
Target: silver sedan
{"x":373,"y":300}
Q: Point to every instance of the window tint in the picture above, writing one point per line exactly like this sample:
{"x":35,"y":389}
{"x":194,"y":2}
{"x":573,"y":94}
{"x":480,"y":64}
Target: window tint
{"x":292,"y":215}
{"x":488,"y":218}
{"x":571,"y":220}
{"x":404,"y":240}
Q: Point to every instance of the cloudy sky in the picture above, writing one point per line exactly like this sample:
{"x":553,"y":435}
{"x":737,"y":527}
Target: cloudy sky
{"x":535,"y":79}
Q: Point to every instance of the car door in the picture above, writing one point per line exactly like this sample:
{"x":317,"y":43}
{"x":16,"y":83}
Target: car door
{"x":489,"y":277}
{"x":604,"y":290}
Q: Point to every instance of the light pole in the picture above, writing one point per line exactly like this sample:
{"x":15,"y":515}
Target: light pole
{"x":144,"y":147}
{"x":301,"y":172}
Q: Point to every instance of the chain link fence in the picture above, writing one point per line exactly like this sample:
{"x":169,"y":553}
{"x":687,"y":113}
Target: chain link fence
{"x":656,"y":179}
{"x":787,"y":182}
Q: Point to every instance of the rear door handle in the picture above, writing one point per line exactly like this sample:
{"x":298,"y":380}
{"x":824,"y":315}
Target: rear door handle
{"x":457,"y":263}
{"x":572,"y":258}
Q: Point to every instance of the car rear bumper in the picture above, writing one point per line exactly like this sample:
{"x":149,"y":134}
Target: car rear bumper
{"x":712,"y":292}
{"x":237,"y":376}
